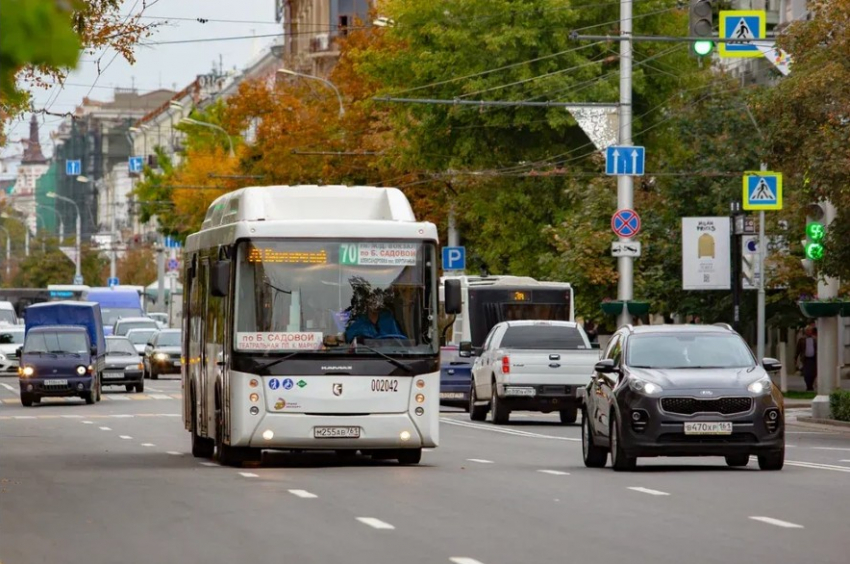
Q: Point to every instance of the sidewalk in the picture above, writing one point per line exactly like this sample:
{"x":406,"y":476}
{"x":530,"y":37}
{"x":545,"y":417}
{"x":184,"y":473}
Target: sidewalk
{"x":797,"y":384}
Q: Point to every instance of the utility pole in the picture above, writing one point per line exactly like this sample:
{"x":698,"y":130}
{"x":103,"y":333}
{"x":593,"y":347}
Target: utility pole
{"x":625,"y":186}
{"x":735,"y":208}
{"x":160,"y":278}
{"x":113,"y":239}
{"x":760,"y":316}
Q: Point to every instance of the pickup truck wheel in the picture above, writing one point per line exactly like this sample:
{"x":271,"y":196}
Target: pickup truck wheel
{"x":594,"y":456}
{"x":569,"y":416}
{"x":476,"y":412}
{"x":619,"y":461}
{"x":501,"y":413}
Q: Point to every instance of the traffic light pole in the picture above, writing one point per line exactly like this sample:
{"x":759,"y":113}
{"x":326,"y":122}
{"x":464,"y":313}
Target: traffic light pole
{"x":827,"y":341}
{"x":625,"y":186}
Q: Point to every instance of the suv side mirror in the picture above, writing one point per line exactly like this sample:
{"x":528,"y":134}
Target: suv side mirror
{"x":452,"y":298}
{"x":465,"y":349}
{"x":771,"y":364}
{"x":606,"y":366}
{"x":220,"y":278}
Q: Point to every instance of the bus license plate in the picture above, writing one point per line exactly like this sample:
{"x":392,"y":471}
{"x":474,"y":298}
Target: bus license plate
{"x":719,"y":428}
{"x":336,"y":432}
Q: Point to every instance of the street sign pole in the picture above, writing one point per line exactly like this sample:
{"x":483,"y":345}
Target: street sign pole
{"x":762,"y":251}
{"x":625,"y":187}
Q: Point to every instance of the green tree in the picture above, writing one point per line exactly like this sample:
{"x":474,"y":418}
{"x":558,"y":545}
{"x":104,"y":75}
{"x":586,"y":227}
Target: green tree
{"x":53,"y":267}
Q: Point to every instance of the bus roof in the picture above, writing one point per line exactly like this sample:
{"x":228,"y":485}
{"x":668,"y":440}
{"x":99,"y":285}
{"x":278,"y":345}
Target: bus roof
{"x":504,"y":281}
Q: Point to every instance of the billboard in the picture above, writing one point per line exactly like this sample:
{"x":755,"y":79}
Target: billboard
{"x":706,"y":258}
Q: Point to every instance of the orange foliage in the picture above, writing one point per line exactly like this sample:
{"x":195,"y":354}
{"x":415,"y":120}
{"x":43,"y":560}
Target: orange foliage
{"x":196,"y":184}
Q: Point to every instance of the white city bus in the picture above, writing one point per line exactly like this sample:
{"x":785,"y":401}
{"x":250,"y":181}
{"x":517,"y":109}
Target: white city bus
{"x":310,"y":322}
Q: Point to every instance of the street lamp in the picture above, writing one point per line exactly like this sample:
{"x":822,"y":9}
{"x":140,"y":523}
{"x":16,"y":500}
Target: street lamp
{"x":8,"y":252}
{"x":191,"y":121}
{"x":26,"y":231}
{"x":320,"y":79}
{"x":78,"y":277}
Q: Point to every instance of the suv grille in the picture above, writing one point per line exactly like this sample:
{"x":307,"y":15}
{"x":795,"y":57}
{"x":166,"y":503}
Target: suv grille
{"x":689,"y":406}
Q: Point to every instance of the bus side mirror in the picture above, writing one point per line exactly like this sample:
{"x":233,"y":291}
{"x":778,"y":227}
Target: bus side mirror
{"x":220,"y":278}
{"x":453,"y":305}
{"x":465,"y":349}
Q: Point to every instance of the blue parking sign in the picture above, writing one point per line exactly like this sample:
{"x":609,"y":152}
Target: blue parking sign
{"x":454,"y":258}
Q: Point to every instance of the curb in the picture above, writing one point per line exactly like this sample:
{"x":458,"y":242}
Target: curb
{"x":831,"y":422}
{"x":798,"y":403}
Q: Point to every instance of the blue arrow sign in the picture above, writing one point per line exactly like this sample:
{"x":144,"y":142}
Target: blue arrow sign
{"x":73,"y":168}
{"x":624,"y":161}
{"x":454,"y":258}
{"x":135,"y":164}
{"x":745,"y":26}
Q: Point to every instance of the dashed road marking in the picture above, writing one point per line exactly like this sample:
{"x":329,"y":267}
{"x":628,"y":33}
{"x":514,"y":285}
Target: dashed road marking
{"x":209,"y":464}
{"x":505,"y":431}
{"x":249,"y":475}
{"x":375,"y":523}
{"x":303,"y":494}
{"x":174,"y":453}
{"x":813,"y":465}
{"x":10,"y":388}
{"x":105,"y":429}
{"x":88,"y":422}
{"x":463,"y":560}
{"x":72,"y":417}
{"x":148,"y":445}
{"x":832,"y":448}
{"x":125,"y":437}
{"x":554,"y":472}
{"x":24,"y":416}
{"x":480,"y":460}
{"x":777,"y":522}
{"x":648,"y":491}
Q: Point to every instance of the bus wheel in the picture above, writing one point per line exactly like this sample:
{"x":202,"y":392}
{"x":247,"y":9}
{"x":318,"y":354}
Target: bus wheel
{"x":232,"y":456}
{"x":409,"y":456}
{"x":202,"y":447}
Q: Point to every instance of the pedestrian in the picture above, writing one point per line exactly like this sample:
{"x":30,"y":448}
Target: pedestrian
{"x":592,"y":331}
{"x":807,"y":357}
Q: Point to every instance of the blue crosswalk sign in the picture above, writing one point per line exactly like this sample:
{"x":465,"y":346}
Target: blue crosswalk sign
{"x":762,"y":190}
{"x":745,"y":26}
{"x":136,"y":164}
{"x":73,"y":167}
{"x":624,"y":161}
{"x":454,"y":258}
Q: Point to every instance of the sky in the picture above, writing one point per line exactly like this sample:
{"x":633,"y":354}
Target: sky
{"x":171,"y":66}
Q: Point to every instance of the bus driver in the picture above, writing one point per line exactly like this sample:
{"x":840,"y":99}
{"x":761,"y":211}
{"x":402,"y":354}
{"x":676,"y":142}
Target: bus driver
{"x":376,"y":322}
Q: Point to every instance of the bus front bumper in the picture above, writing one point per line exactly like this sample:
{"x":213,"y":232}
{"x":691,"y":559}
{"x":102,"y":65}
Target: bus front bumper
{"x":326,"y":432}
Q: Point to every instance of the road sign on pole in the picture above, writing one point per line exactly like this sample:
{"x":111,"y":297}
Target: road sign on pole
{"x":78,"y":280}
{"x":624,"y":161}
{"x":626,"y":223}
{"x":623,"y":249}
{"x":762,"y":190}
{"x":454,"y":258}
{"x":173,"y":264}
{"x":73,"y":167}
{"x":743,"y":25}
{"x":112,"y":282}
{"x":135,"y":164}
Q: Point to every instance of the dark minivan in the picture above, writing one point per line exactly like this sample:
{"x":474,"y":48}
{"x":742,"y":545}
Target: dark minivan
{"x":63,"y":353}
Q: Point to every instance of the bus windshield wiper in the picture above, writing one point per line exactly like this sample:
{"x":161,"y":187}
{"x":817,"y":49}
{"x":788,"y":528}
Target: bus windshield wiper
{"x":394,"y":361}
{"x":279,"y":360}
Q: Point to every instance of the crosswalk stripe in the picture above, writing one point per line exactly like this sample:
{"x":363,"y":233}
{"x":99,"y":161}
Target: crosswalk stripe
{"x":177,"y":396}
{"x":160,"y":396}
{"x":138,"y":397}
{"x":116,"y":397}
{"x":11,"y":401}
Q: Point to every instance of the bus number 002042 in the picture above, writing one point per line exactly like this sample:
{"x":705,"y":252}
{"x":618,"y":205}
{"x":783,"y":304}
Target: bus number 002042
{"x":384,"y":385}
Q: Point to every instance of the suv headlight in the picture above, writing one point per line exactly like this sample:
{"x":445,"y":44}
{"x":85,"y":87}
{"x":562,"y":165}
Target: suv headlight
{"x":27,"y":371}
{"x":81,"y":370}
{"x":761,"y":386}
{"x":644,"y":387}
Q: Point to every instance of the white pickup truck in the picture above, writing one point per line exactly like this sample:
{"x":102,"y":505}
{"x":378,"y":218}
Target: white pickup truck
{"x":530,"y":366}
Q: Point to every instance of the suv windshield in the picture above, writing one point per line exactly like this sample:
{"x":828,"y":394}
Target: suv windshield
{"x":543,"y":336}
{"x":121,"y":328}
{"x":140,"y":336}
{"x":168,"y":339}
{"x":120,"y":347}
{"x":688,"y":350}
{"x":56,"y":342}
{"x":331,"y":297}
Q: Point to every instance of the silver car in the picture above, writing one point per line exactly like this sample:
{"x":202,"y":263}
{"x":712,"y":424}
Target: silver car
{"x":11,"y":339}
{"x":123,"y":365}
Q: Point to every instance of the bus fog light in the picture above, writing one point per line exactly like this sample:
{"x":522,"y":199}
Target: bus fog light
{"x":268,"y":434}
{"x":419,"y":411}
{"x":255,"y":397}
{"x":255,"y":410}
{"x":420,"y":384}
{"x":404,"y":435}
{"x":253,"y":383}
{"x":420,"y":398}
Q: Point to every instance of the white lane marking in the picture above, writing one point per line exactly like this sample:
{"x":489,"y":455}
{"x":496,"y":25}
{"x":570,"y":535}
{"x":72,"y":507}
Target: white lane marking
{"x":118,"y":398}
{"x":125,"y":437}
{"x":148,"y":445}
{"x":160,"y":396}
{"x":818,"y":466}
{"x":151,"y":388}
{"x":463,"y":560}
{"x":505,"y":431}
{"x":375,"y":523}
{"x":72,"y":417}
{"x":554,"y":472}
{"x":202,"y":463}
{"x":832,"y":448}
{"x":303,"y":494}
{"x":105,"y":429}
{"x":123,"y":416}
{"x":777,"y":522}
{"x":24,"y":416}
{"x":249,"y":475}
{"x":88,"y":422}
{"x":480,"y":460}
{"x":174,"y":453}
{"x":648,"y":491}
{"x":10,"y":388}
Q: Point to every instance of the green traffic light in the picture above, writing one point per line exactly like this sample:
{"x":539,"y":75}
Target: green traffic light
{"x":815,"y":232}
{"x":814,"y":251}
{"x":703,"y":48}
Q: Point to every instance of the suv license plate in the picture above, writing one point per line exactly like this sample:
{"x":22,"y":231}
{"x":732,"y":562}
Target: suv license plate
{"x":703,"y":428}
{"x":56,"y":382}
{"x":336,"y":432}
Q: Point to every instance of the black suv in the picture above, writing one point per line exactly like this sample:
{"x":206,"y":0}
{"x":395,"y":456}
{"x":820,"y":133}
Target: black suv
{"x":682,"y":390}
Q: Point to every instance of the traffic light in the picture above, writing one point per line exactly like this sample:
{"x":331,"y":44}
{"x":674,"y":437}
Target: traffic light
{"x":813,"y":245}
{"x":701,"y":24}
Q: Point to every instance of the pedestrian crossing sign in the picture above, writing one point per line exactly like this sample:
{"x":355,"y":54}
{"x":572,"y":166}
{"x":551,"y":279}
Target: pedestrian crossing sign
{"x":762,"y":190}
{"x":745,"y":26}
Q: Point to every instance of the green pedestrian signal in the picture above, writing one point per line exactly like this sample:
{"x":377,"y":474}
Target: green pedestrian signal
{"x":814,"y":251}
{"x":815,"y":231}
{"x":703,"y":48}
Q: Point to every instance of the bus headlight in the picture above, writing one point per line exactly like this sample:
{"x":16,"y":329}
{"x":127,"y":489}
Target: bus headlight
{"x":268,"y":434}
{"x":420,"y":398}
{"x":420,"y":384}
{"x":404,"y":435}
{"x":253,"y":383}
{"x":81,"y":370}
{"x":255,"y":397}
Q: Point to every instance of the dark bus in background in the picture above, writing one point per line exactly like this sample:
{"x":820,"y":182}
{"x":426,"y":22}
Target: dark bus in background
{"x":488,"y":300}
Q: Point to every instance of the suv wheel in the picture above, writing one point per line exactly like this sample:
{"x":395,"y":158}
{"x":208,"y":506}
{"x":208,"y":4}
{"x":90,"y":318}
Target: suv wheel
{"x":594,"y":456}
{"x":619,"y":461}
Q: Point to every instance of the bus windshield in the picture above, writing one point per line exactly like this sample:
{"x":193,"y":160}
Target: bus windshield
{"x":336,"y":297}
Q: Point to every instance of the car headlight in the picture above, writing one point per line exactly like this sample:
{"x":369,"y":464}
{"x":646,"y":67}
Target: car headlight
{"x":761,"y":386}
{"x":2,"y":356}
{"x":644,"y":386}
{"x":161,"y":356}
{"x":28,"y":371}
{"x":81,"y":370}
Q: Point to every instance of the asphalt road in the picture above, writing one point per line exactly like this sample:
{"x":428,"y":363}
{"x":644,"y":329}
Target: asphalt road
{"x":114,"y":483}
